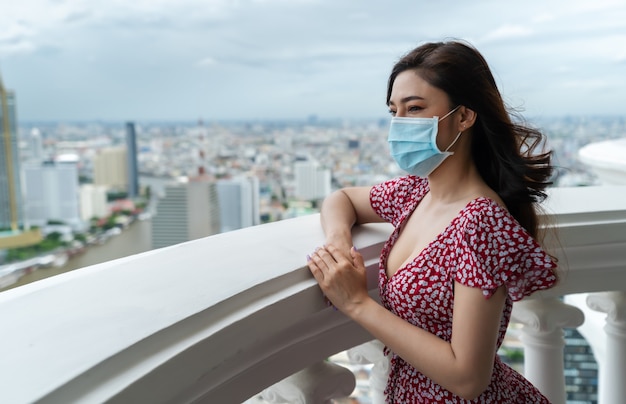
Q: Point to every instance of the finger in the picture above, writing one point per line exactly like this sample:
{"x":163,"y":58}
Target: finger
{"x":357,"y":257}
{"x":316,"y":271}
{"x":325,"y":256}
{"x":337,"y":254}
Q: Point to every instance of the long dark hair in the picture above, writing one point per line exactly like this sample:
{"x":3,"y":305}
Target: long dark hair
{"x":507,"y":154}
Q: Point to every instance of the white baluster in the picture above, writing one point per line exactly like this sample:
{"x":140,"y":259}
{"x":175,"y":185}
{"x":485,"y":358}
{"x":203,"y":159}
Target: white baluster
{"x":372,"y":352}
{"x":318,"y":383}
{"x":542,"y":337}
{"x":612,"y":369}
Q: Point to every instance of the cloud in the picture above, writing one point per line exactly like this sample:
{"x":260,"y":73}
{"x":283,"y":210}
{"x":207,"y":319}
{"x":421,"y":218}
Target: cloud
{"x":16,"y":38}
{"x":585,"y":84}
{"x":508,"y":31}
{"x":542,"y":18}
{"x":206,"y":62}
{"x":280,"y":50}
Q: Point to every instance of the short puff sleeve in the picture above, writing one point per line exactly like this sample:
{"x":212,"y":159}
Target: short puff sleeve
{"x":393,"y":198}
{"x":495,"y":250}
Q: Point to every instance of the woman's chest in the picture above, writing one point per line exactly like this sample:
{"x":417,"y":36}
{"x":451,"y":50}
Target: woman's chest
{"x":423,"y":290}
{"x":420,"y":229}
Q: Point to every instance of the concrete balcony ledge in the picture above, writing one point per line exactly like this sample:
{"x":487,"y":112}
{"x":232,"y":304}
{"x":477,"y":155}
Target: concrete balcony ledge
{"x":215,"y":320}
{"x":222,"y":318}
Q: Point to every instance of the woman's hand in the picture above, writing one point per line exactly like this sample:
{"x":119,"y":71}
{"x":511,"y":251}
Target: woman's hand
{"x":341,"y":277}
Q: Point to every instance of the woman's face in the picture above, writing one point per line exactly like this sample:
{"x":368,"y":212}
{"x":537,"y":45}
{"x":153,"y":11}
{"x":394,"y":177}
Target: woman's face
{"x":412,"y":97}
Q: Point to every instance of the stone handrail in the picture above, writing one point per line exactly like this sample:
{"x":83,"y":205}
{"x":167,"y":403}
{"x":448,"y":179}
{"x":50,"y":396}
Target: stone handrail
{"x":222,"y":318}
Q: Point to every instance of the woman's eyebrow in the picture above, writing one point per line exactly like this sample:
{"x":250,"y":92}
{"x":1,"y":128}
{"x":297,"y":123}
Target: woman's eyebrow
{"x":407,"y":99}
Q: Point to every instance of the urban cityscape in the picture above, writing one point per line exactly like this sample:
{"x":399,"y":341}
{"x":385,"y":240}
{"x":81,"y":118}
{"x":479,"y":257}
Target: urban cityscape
{"x":68,"y":186}
{"x":273,"y":170}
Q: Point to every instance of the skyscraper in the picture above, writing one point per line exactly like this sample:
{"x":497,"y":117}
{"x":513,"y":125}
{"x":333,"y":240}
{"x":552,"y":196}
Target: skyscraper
{"x":35,"y":146}
{"x":131,"y":156}
{"x":187,"y":211}
{"x":312,"y":181}
{"x":11,"y":201}
{"x":238,"y":203}
{"x":52,"y":193}
{"x":93,"y":202}
{"x":109,"y":168}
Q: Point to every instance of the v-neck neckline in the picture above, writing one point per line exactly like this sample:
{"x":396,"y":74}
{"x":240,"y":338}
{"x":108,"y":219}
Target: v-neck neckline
{"x":396,"y":234}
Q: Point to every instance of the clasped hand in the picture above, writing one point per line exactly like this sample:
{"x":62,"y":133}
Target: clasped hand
{"x":341,"y":276}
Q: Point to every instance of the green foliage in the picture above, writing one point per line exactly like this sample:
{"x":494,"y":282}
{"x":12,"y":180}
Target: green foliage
{"x":115,"y":195}
{"x":512,"y":355}
{"x":50,"y":243}
{"x":53,"y":222}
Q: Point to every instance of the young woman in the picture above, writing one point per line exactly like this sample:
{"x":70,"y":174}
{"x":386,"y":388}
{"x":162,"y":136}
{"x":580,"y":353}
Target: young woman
{"x":463,"y":248}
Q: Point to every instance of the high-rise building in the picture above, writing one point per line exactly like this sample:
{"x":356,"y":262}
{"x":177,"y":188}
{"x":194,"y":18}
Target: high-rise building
{"x":188,"y":211}
{"x":52,"y":193}
{"x":131,"y":155}
{"x":93,"y":202}
{"x":312,"y":181}
{"x":239,"y":203}
{"x":35,"y":146}
{"x":110,"y":168}
{"x":11,"y":200}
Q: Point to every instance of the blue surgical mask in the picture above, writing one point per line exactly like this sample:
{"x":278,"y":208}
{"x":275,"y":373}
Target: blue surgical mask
{"x":413,"y":144}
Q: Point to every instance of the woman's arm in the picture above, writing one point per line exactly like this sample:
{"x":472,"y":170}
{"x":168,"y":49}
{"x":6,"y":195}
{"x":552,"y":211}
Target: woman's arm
{"x":343,"y":209}
{"x":463,"y":366}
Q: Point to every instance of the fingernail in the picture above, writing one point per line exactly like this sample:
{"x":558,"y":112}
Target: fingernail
{"x":308,"y":258}
{"x":334,"y":308}
{"x":355,"y":249}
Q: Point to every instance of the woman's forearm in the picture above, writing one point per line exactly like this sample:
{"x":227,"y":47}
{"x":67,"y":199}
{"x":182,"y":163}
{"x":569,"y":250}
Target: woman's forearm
{"x":343,"y":209}
{"x":428,"y":353}
{"x":338,"y":215}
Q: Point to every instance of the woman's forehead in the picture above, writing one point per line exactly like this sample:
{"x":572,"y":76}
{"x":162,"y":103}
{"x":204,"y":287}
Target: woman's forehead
{"x":409,"y":84}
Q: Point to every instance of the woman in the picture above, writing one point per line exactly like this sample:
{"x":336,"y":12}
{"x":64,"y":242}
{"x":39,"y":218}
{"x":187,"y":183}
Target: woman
{"x":463,"y":248}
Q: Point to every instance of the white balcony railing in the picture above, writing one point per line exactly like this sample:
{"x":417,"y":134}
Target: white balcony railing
{"x":219,"y":319}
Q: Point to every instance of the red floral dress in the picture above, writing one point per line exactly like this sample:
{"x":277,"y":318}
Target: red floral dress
{"x":482,"y":247}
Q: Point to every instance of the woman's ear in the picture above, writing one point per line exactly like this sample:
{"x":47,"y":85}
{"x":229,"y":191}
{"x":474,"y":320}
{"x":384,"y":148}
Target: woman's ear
{"x":467,"y":118}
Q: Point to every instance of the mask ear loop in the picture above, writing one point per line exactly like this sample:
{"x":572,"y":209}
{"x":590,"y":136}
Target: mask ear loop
{"x":457,"y":136}
{"x":453,"y":142}
{"x":449,"y":113}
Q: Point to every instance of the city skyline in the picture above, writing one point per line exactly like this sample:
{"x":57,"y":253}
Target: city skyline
{"x":275,"y":59}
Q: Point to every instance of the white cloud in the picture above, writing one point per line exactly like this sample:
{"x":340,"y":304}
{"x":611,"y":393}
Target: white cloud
{"x":508,"y":31}
{"x":585,"y":84}
{"x":287,"y":48}
{"x":542,"y":18}
{"x":206,"y":62}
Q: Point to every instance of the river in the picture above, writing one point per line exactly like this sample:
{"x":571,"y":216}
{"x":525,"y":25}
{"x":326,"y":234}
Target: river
{"x":135,"y":239}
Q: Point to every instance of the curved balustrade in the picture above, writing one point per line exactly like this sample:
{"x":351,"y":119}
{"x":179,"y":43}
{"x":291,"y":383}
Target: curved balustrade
{"x":222,"y":318}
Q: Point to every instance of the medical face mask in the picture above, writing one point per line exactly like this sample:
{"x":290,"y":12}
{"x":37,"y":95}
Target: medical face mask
{"x":413,"y":144}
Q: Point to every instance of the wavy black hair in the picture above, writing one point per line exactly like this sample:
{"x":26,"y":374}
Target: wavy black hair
{"x":509,"y":155}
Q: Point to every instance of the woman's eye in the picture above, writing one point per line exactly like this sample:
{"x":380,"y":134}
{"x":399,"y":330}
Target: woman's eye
{"x":414,"y":108}
{"x":393,"y":113}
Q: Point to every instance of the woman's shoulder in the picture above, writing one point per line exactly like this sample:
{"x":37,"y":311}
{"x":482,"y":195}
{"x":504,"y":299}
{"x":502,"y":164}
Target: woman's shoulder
{"x":393,"y":198}
{"x":487,"y":212}
{"x":407,"y":184}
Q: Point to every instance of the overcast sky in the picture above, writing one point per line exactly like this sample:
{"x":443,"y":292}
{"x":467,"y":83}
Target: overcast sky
{"x":272,"y":59}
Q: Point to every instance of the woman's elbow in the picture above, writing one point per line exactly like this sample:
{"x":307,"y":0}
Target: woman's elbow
{"x":472,"y":388}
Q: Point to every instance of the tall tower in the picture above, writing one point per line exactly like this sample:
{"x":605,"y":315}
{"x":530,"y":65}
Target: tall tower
{"x":109,"y":168}
{"x":52,"y":193}
{"x":131,"y":157}
{"x":238,"y":202}
{"x":188,"y":211}
{"x":11,"y":214}
{"x":312,"y":181}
